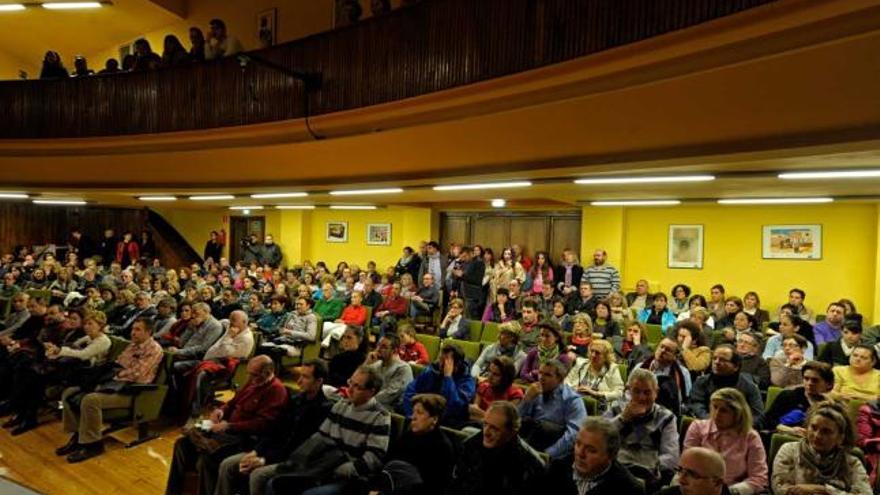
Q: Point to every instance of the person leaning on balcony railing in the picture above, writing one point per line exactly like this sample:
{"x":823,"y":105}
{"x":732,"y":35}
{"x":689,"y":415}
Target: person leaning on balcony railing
{"x":218,"y":43}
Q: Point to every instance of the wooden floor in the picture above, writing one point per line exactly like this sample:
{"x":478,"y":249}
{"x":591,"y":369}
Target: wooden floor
{"x":29,"y":459}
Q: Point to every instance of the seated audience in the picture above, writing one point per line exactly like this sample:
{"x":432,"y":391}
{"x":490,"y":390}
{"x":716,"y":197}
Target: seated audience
{"x":838,"y":352}
{"x":421,"y":460}
{"x":353,"y":353}
{"x":448,"y":377}
{"x":725,"y":373}
{"x":697,"y":301}
{"x":426,"y":298}
{"x":633,"y":348}
{"x":550,"y":347}
{"x":859,"y":380}
{"x":529,"y":329}
{"x":829,"y":329}
{"x":732,"y":306}
{"x":395,"y":373}
{"x":582,"y":334}
{"x":619,"y":310}
{"x":356,"y":434}
{"x":355,"y":314}
{"x":748,"y":347}
{"x":752,"y":307}
{"x":701,"y":471}
{"x":455,"y":325}
{"x":648,"y":432}
{"x":821,"y":462}
{"x":201,"y":334}
{"x":143,"y":308}
{"x":497,"y":460}
{"x":172,"y":335}
{"x":658,"y":313}
{"x":82,"y":414}
{"x":506,"y":345}
{"x":694,"y":352}
{"x":604,"y":324}
{"x":729,"y":432}
{"x":551,"y":411}
{"x":502,"y":310}
{"x":593,"y":469}
{"x":796,"y":299}
{"x":411,"y":351}
{"x":742,"y":322}
{"x":788,"y":325}
{"x":391,"y":310}
{"x":300,"y":328}
{"x":679,"y":303}
{"x":597,"y":377}
{"x":583,"y":301}
{"x":164,"y":319}
{"x":673,"y":377}
{"x":299,"y":420}
{"x":868,"y":437}
{"x":328,"y":306}
{"x":641,"y":299}
{"x":788,"y":412}
{"x":497,"y":385}
{"x":785,"y":369}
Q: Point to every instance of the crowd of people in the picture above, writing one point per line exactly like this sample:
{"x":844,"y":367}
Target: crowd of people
{"x":214,"y":43}
{"x":566,"y":333}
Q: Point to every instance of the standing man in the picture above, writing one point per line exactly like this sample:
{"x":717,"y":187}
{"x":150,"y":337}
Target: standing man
{"x":469,"y":277}
{"x":434,"y":262}
{"x":603,"y":278}
{"x":270,"y":253}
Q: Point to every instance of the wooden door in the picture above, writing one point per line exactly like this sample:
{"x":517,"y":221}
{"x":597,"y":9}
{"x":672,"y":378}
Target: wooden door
{"x":565,"y":233}
{"x":454,"y":229}
{"x":530,"y":233}
{"x":242,"y":228}
{"x":491,"y":232}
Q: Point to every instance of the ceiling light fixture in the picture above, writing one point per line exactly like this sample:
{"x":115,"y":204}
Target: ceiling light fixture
{"x":71,"y":5}
{"x":774,"y":201}
{"x":645,"y":180}
{"x":59,"y":202}
{"x":831,"y":174}
{"x":354,"y":192}
{"x":157,"y":198}
{"x":11,"y":7}
{"x":13,"y":195}
{"x":295,"y":207}
{"x":280,"y":195}
{"x":499,"y":203}
{"x":639,"y":202}
{"x":215,"y":197}
{"x":488,"y":185}
{"x":245,"y":207}
{"x":352,"y":207}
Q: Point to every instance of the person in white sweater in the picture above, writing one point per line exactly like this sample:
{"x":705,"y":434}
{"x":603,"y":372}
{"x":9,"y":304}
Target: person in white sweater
{"x":92,"y":348}
{"x":237,"y":343}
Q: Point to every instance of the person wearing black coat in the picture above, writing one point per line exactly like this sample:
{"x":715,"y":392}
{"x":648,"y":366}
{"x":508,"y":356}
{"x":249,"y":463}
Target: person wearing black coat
{"x":410,"y":263}
{"x":470,"y":278}
{"x":213,"y":248}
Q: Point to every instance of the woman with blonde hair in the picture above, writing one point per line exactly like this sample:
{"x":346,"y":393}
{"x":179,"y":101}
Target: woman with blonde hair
{"x":506,"y":269}
{"x":822,"y":461}
{"x":619,"y":310}
{"x":597,"y":376}
{"x":729,"y":432}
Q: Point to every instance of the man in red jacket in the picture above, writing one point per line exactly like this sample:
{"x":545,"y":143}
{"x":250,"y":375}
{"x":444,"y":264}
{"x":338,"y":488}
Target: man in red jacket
{"x":250,"y":413}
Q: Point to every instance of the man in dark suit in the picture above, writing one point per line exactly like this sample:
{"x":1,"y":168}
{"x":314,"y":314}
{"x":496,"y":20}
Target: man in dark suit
{"x":593,"y":468}
{"x":435,"y":263}
{"x":470,"y":279}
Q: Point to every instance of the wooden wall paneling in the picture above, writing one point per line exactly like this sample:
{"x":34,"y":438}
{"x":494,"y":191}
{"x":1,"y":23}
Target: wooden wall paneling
{"x":412,"y":51}
{"x":454,"y":229}
{"x":492,"y":232}
{"x":564,"y":233}
{"x":531,"y":233}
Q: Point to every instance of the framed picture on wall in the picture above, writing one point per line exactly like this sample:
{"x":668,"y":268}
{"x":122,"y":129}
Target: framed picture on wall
{"x":337,"y":231}
{"x":685,"y":246}
{"x":379,"y":234}
{"x":792,"y":242}
{"x":267,"y":27}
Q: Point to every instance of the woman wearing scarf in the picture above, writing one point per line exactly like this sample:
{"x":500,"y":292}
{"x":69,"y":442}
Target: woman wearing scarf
{"x":550,"y":346}
{"x":821,"y":462}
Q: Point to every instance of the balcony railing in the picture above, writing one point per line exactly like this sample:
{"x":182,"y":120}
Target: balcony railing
{"x":432,"y":46}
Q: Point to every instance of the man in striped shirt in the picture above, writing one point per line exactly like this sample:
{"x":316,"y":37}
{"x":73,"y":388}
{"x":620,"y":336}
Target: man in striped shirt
{"x":359,"y":426}
{"x":604,"y":278}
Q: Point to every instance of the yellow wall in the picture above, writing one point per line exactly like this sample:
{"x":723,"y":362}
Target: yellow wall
{"x":732,"y":251}
{"x":301,"y":234}
{"x":10,"y":66}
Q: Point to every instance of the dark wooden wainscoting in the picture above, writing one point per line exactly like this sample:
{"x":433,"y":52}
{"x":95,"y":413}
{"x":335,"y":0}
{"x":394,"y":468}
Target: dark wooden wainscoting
{"x":535,"y":231}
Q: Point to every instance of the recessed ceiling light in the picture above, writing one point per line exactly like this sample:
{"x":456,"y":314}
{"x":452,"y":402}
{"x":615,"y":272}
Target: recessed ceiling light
{"x":214,"y":197}
{"x":645,"y":180}
{"x":486,"y":185}
{"x":245,"y":207}
{"x":774,"y":201}
{"x":157,"y":198}
{"x":71,"y":5}
{"x":280,"y":195}
{"x":59,"y":202}
{"x":832,"y":174}
{"x":352,"y":207}
{"x":295,"y":207}
{"x":354,"y":192}
{"x":10,"y":7}
{"x":640,"y":202}
{"x":499,"y":203}
{"x":13,"y":195}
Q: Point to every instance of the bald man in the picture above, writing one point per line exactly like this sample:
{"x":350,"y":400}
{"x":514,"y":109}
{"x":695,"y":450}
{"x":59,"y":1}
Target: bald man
{"x":251,"y":412}
{"x":700,"y":472}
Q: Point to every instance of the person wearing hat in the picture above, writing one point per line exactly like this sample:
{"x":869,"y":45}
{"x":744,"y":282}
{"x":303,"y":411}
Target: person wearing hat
{"x":506,"y":345}
{"x":551,"y":346}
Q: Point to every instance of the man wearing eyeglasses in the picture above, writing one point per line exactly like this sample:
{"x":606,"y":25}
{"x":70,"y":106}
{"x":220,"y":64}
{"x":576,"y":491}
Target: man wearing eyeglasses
{"x":700,"y":471}
{"x":395,"y":373}
{"x":726,"y":365}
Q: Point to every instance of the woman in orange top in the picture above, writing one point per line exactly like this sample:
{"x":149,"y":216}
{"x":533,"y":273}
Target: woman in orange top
{"x":355,"y":314}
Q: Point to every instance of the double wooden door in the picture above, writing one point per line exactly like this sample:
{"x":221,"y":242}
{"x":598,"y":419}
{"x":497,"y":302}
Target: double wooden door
{"x":534,"y":231}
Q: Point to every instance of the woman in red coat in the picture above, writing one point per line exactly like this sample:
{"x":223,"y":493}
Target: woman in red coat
{"x":127,"y":251}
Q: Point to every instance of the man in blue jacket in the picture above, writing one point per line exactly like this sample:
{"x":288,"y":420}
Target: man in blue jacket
{"x":552,"y":412}
{"x":449,"y":377}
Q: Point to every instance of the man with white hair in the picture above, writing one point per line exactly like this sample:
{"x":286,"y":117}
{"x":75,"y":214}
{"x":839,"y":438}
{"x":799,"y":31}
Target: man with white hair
{"x":700,"y":472}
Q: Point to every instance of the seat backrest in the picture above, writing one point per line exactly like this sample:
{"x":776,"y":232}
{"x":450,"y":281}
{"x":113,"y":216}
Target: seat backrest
{"x":471,"y":349}
{"x":655,"y":333}
{"x":431,"y":343}
{"x":777,"y":441}
{"x":591,"y":405}
{"x":475,"y":329}
{"x":490,"y":332}
{"x":623,"y":371}
{"x":313,"y":349}
{"x":683,"y":428}
{"x":772,"y":393}
{"x":117,"y":345}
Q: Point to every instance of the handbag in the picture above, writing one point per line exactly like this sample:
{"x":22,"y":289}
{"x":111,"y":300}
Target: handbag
{"x":209,"y":442}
